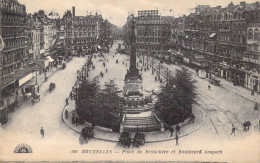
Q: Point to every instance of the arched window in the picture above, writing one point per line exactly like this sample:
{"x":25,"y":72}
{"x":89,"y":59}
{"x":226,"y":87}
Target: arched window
{"x":250,"y":34}
{"x":256,"y":34}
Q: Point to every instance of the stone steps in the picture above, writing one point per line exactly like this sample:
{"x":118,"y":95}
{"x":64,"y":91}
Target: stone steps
{"x":142,"y":124}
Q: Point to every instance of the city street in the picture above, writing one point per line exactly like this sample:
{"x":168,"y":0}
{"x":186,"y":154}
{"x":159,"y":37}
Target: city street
{"x":221,"y":108}
{"x":25,"y":123}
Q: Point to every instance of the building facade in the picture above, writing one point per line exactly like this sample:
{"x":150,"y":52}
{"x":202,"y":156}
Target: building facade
{"x":153,"y":32}
{"x":221,"y":36}
{"x":12,"y":30}
{"x":82,"y":33}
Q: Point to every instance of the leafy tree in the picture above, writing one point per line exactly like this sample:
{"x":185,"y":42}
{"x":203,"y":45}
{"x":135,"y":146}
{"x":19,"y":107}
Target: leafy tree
{"x":175,"y":99}
{"x":101,"y":107}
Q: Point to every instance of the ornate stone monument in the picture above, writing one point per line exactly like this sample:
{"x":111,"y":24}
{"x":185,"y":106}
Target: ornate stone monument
{"x":133,"y":79}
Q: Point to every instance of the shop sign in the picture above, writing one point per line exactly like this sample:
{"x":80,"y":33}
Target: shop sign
{"x":225,"y":63}
{"x":187,"y":60}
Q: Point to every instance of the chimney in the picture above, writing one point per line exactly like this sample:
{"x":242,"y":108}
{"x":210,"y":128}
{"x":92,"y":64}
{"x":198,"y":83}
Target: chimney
{"x":73,"y":11}
{"x":218,"y":7}
{"x":243,"y":4}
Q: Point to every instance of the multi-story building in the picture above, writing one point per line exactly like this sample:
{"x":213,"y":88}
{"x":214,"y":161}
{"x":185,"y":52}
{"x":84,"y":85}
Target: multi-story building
{"x":251,"y":56}
{"x":12,"y":29}
{"x":221,"y":35}
{"x":13,"y":57}
{"x":34,"y":37}
{"x":153,"y":32}
{"x":82,"y":33}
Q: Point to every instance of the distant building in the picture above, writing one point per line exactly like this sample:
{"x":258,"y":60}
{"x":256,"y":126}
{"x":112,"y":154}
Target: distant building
{"x":153,"y":32}
{"x":53,"y":15}
{"x":82,"y":33}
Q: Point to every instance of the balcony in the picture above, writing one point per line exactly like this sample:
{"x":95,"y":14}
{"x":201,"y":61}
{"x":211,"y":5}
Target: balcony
{"x":251,"y":60}
{"x":14,"y":35}
{"x":8,"y":24}
{"x":24,"y":45}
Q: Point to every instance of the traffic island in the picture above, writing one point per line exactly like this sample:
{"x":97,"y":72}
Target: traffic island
{"x":105,"y":134}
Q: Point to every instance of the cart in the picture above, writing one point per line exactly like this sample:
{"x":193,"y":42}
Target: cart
{"x":29,"y":91}
{"x":35,"y":98}
{"x":125,"y":139}
{"x":86,"y":134}
{"x":214,"y":82}
{"x":139,"y":139}
{"x":52,"y":86}
{"x":63,"y":65}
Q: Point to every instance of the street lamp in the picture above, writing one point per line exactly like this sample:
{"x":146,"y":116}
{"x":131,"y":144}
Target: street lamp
{"x":36,"y":74}
{"x":209,"y":69}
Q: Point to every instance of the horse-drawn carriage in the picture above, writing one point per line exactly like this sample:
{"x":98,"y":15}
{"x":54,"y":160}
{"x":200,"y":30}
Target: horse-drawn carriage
{"x":30,"y":94}
{"x":63,"y":65}
{"x":125,"y":139}
{"x":35,"y":97}
{"x":86,"y":134}
{"x":52,"y":86}
{"x":139,"y":139}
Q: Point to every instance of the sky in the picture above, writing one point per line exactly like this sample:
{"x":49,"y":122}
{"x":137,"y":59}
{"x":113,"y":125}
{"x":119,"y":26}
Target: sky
{"x":116,"y":11}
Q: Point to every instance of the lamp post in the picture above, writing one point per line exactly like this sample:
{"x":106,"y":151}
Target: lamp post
{"x":36,"y":74}
{"x":147,"y":62}
{"x":209,"y":69}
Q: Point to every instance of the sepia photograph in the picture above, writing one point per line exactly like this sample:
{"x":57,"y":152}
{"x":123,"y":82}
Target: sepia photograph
{"x":130,"y":80}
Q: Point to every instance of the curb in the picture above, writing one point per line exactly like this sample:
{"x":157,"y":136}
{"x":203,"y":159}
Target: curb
{"x":62,"y":113}
{"x":182,"y":135}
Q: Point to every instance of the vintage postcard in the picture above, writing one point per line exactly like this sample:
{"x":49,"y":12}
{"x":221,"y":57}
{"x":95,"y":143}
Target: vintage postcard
{"x":130,"y":80}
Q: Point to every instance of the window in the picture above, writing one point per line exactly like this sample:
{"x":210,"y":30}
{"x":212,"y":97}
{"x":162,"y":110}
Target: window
{"x":250,"y":34}
{"x":256,"y":34}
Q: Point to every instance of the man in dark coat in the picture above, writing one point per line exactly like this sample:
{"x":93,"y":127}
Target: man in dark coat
{"x":171,"y":130}
{"x":178,"y":129}
{"x":66,"y":113}
{"x":177,"y":139}
{"x":42,"y":132}
{"x":233,"y":130}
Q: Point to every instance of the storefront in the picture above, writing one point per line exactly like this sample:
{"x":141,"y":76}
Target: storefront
{"x":252,"y":80}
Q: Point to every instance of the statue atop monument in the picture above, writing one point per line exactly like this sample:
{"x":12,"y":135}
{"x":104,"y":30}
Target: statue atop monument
{"x":133,"y":79}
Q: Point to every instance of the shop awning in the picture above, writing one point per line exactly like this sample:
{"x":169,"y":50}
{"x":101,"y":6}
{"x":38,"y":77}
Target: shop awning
{"x":212,"y":35}
{"x":50,"y":59}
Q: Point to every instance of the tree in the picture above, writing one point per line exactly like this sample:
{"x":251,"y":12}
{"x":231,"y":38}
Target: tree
{"x":101,"y":107}
{"x":175,"y":99}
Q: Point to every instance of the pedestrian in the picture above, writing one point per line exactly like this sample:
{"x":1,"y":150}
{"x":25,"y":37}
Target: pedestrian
{"x":253,"y":92}
{"x":233,"y":130}
{"x":71,"y":96}
{"x":171,"y":130}
{"x":248,"y":124}
{"x":209,"y":86}
{"x":8,"y":101}
{"x":22,"y":91}
{"x":177,"y":139}
{"x":106,"y":69}
{"x":77,"y":119}
{"x":178,"y":129}
{"x":42,"y":132}
{"x":67,"y":101}
{"x":38,"y":89}
{"x":244,"y":125}
{"x":66,"y":113}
